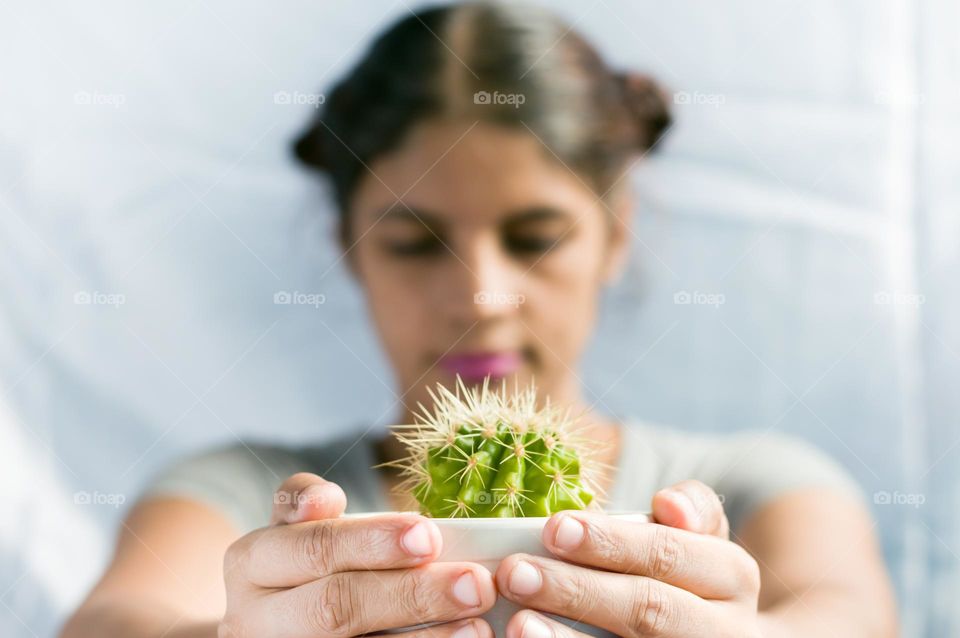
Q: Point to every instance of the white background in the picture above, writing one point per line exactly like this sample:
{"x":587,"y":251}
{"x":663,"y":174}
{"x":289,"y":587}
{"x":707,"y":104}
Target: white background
{"x":143,"y":154}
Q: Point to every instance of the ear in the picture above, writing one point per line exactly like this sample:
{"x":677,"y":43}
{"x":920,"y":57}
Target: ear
{"x":621,"y":218}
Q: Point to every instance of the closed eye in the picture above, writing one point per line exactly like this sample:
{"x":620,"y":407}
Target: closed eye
{"x":537,"y":230}
{"x":533,"y":244}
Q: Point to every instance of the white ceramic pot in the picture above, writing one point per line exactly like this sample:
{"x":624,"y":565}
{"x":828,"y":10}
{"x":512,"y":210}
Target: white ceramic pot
{"x":487,"y":541}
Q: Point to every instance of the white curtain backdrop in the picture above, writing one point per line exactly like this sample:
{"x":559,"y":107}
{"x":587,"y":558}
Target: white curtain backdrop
{"x":149,"y":212}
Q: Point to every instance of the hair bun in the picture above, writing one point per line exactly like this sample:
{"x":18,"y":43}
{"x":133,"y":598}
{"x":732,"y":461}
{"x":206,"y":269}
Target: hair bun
{"x":648,"y":105}
{"x":308,"y":148}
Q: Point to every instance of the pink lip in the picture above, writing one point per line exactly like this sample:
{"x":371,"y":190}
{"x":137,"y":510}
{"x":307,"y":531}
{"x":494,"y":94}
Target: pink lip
{"x":476,"y":366}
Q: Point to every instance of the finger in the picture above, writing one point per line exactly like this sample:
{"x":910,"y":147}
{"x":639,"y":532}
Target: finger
{"x":530,"y":624}
{"x":693,"y":506}
{"x":620,"y":603}
{"x":306,"y":497}
{"x":291,"y":555}
{"x":353,"y":603}
{"x":701,"y":564}
{"x":472,"y":628}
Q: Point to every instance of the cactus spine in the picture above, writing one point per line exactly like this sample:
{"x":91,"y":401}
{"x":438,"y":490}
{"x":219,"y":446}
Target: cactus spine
{"x":482,"y":453}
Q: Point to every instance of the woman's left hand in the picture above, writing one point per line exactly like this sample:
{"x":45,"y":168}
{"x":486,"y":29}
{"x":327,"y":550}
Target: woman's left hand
{"x":677,"y":576}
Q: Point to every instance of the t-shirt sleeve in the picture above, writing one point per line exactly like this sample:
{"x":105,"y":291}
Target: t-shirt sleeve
{"x":752,"y":468}
{"x":238,"y":480}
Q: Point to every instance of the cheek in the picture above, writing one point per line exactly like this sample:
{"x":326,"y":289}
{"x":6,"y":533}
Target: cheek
{"x":573,"y":271}
{"x":563,"y":290}
{"x":398,"y":306}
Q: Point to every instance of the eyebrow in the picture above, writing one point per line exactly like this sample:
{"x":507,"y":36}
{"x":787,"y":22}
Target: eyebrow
{"x":535,"y":213}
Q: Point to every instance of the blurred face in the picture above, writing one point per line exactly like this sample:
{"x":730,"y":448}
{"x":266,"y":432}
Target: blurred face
{"x":490,"y":264}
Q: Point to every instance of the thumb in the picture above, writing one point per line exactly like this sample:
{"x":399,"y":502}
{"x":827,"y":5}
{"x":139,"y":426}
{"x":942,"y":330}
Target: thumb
{"x":693,"y":506}
{"x":307,"y":497}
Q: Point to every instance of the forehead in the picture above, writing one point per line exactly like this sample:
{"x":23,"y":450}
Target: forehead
{"x":473,"y":170}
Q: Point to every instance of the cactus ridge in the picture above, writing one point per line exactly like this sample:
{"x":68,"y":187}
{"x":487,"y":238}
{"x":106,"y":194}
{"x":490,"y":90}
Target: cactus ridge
{"x":483,"y":453}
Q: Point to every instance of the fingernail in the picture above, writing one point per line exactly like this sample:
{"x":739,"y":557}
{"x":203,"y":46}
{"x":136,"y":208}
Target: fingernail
{"x":533,"y":627}
{"x":465,"y":590}
{"x":312,"y":494}
{"x":292,"y":513}
{"x":417,"y":541}
{"x":688,"y":506}
{"x":297,"y":499}
{"x":569,"y":533}
{"x":467,"y":631}
{"x":524,"y":579}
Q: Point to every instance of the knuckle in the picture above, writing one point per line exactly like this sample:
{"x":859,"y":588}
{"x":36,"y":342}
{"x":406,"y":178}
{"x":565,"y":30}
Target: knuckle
{"x":607,"y":545}
{"x":416,"y":600}
{"x":665,"y":553}
{"x":578,"y":593}
{"x":316,"y":549}
{"x":375,"y":539}
{"x":334,"y":611}
{"x":650,"y":614}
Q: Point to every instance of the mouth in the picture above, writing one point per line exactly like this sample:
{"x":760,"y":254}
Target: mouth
{"x":475,"y":366}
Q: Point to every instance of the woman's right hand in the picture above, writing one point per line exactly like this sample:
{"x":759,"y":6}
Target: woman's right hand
{"x":312,"y":574}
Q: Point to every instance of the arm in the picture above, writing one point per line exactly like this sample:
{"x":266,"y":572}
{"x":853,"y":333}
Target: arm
{"x":166,"y":576}
{"x":821,"y":568}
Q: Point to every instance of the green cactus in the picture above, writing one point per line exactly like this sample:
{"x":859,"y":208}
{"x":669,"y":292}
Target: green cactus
{"x":484,"y":454}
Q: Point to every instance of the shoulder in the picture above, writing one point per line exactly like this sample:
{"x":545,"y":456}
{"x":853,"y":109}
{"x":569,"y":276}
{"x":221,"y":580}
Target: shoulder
{"x":747,"y":468}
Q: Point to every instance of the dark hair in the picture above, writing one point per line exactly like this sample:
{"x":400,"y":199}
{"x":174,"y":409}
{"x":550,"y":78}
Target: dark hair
{"x":450,"y":60}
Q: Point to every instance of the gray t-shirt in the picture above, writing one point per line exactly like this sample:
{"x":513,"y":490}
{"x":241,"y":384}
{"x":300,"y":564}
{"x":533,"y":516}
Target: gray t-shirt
{"x":747,"y":469}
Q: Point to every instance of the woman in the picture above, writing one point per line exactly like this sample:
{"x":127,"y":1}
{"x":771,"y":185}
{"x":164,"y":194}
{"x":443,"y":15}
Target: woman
{"x":478,"y":155}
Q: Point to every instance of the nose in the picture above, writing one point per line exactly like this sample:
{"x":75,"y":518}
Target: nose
{"x":484,"y":283}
